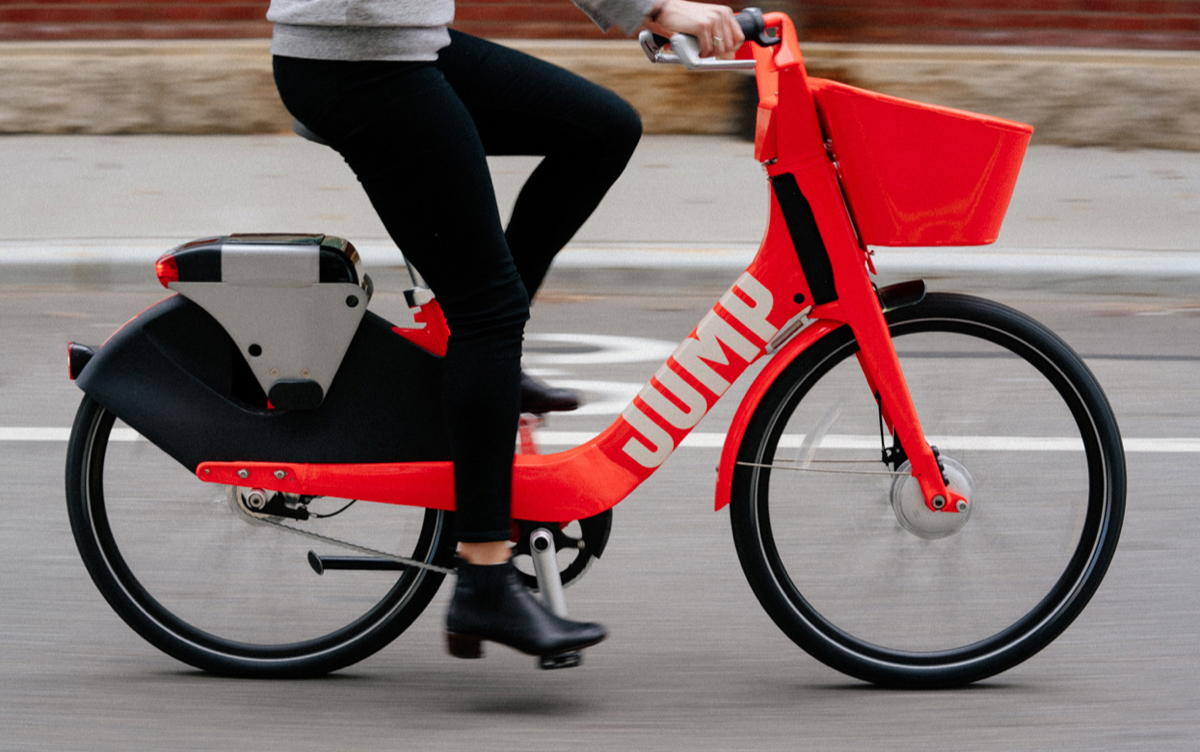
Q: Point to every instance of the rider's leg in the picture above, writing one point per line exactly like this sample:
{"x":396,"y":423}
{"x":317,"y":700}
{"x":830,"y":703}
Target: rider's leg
{"x":416,"y":152}
{"x":413,"y":147}
{"x":586,"y":133}
{"x":485,"y":553}
{"x":525,"y":106}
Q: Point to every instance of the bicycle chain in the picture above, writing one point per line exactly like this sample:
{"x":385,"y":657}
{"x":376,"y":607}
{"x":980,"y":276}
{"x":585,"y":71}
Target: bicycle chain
{"x":356,"y":547}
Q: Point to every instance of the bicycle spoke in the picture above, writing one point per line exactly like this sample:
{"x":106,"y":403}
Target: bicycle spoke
{"x":889,"y":473}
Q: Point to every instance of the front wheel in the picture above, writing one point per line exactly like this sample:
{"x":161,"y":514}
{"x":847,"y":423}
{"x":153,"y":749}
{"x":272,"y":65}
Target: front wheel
{"x":193,"y":569}
{"x":837,"y":543}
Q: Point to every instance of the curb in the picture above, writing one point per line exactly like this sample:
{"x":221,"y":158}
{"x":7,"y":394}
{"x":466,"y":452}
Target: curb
{"x":1018,"y":262}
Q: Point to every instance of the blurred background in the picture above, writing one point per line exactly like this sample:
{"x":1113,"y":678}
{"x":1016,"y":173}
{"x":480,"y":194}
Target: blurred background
{"x":1122,"y":73}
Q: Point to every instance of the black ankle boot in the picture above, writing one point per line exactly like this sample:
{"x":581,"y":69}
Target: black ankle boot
{"x":490,"y":603}
{"x":538,"y":397}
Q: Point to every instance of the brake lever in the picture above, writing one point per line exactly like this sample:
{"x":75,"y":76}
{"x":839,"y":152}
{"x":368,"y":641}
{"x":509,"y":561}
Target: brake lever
{"x":652,"y":45}
{"x":685,"y":51}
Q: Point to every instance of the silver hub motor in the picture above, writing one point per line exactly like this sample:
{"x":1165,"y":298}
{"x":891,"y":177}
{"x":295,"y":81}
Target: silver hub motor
{"x":916,"y":517}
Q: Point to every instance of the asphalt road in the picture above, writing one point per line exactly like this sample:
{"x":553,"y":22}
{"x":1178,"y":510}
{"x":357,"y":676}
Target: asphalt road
{"x":693,"y":661}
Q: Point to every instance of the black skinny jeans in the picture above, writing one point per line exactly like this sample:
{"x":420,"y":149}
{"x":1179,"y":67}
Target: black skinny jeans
{"x":416,"y":135}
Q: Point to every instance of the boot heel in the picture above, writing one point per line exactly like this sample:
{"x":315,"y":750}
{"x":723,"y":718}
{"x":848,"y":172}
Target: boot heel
{"x":464,"y":646}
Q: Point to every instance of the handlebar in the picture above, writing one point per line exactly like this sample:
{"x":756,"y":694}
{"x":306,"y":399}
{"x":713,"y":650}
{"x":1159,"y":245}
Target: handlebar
{"x":755,"y":28}
{"x":685,"y":49}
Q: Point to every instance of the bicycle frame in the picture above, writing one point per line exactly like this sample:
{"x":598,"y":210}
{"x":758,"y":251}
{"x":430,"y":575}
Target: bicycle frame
{"x":810,"y":276}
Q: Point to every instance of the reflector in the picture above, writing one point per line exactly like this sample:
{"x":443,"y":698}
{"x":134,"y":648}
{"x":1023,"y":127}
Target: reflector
{"x":166,"y":269}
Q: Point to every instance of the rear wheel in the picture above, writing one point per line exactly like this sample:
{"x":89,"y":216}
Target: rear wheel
{"x":195,"y":572}
{"x":839,"y":546}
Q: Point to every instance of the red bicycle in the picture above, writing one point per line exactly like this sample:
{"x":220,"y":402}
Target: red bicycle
{"x":235,"y":434}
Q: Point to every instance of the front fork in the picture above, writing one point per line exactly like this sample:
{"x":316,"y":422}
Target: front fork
{"x":885,"y":378}
{"x":836,"y":272}
{"x":924,"y":462}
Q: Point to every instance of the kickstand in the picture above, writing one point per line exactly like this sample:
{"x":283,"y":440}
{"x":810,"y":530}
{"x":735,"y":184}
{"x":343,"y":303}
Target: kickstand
{"x":545,"y":565}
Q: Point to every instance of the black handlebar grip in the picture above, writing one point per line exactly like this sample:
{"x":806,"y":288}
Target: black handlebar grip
{"x":754,"y":28}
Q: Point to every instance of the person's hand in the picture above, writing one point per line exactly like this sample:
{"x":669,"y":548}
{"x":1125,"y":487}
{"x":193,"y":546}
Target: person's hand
{"x":713,"y":26}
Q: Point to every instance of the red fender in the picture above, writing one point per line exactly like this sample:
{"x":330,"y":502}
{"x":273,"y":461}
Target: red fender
{"x":737,"y":429}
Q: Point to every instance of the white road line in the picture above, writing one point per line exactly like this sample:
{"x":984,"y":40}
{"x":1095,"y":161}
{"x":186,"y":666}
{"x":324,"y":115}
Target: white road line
{"x":717,"y":440}
{"x":949,"y":443}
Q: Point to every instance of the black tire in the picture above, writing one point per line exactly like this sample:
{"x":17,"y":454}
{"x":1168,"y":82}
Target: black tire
{"x":206,"y":585}
{"x":826,"y":553}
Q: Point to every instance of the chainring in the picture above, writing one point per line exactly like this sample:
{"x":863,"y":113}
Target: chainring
{"x":578,"y":544}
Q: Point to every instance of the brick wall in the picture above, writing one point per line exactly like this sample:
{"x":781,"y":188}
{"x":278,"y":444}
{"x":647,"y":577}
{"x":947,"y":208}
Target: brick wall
{"x":1130,"y":24}
{"x":526,"y":19}
{"x":1133,"y":24}
{"x":132,"y":19}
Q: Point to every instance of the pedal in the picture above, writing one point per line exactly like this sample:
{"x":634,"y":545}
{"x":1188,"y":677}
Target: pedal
{"x":565,"y":660}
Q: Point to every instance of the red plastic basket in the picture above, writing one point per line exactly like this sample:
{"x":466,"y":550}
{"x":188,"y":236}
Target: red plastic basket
{"x":918,"y":174}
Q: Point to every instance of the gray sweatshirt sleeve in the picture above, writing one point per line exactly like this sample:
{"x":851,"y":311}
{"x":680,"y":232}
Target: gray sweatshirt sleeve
{"x":627,"y":15}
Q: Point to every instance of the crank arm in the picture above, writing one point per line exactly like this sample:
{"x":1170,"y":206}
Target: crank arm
{"x":541,"y":545}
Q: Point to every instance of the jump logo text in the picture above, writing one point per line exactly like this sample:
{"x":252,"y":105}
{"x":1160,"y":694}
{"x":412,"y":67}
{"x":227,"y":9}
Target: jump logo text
{"x":677,"y":402}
